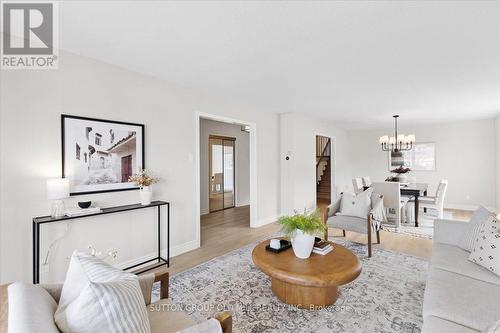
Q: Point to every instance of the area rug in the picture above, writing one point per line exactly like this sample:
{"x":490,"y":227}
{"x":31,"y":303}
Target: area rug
{"x":425,"y":227}
{"x":386,"y":297}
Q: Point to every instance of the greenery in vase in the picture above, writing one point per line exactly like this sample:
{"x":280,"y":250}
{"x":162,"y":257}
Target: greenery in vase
{"x":309,"y":223}
{"x":143,"y":178}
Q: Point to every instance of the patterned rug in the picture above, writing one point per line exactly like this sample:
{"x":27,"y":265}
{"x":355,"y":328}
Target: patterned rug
{"x":425,"y":227}
{"x":387,"y":297}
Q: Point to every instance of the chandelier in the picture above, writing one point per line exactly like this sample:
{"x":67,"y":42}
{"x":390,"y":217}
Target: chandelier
{"x":398,"y":142}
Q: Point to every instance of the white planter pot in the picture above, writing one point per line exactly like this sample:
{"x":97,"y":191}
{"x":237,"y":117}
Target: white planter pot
{"x":403,"y":178}
{"x":302,"y":244}
{"x":145,"y":195}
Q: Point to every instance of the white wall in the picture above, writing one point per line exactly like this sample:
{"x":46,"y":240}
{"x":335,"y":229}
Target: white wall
{"x":242,"y":156}
{"x":30,"y":152}
{"x":298,"y":175}
{"x":497,"y":165}
{"x":465,"y":155}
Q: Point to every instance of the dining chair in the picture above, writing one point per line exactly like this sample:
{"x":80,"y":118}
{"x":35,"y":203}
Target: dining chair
{"x":357,"y":184}
{"x":435,"y":203}
{"x":393,"y":201}
{"x":367,"y":181}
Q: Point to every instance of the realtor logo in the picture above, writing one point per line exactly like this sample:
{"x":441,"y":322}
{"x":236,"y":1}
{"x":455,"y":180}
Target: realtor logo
{"x":30,"y":35}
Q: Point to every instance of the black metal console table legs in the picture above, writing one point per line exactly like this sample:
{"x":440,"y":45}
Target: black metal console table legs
{"x":160,"y":261}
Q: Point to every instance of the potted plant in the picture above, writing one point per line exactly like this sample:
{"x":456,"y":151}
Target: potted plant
{"x":301,"y":229}
{"x":144,"y":180}
{"x":401,"y":173}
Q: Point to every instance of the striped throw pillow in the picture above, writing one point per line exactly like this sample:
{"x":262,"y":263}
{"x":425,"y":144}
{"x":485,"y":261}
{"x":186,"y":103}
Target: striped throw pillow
{"x":97,"y":297}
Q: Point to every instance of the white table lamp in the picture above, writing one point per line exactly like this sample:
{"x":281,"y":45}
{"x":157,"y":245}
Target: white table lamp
{"x":57,"y":189}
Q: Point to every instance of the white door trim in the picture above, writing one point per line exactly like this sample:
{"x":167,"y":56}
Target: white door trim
{"x":333,"y":165}
{"x":253,"y":166}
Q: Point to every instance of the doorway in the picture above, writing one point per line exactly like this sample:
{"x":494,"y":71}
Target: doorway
{"x":323,"y":170}
{"x":221,"y":164}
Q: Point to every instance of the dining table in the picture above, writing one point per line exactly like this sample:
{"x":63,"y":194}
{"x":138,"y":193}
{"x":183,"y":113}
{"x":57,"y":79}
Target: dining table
{"x":415,"y":191}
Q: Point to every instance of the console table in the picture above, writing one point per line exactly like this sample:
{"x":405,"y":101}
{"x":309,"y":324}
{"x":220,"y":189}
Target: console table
{"x":160,"y":261}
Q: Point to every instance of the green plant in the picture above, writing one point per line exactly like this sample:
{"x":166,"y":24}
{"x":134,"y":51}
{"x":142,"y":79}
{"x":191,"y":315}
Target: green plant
{"x":309,"y":223}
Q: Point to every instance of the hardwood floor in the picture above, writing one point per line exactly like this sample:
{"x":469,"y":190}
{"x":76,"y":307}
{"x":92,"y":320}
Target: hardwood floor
{"x":222,"y":232}
{"x":228,"y":230}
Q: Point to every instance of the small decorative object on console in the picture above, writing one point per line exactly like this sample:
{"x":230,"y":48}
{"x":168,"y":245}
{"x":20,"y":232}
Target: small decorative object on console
{"x":57,"y":190}
{"x":84,"y":204}
{"x":144,"y":180}
{"x":82,"y":211}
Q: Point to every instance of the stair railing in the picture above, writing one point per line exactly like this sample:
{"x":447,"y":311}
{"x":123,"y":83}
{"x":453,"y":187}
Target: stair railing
{"x":323,"y":149}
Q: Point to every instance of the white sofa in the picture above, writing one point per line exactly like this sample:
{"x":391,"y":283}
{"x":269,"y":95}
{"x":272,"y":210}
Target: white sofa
{"x":460,"y":296}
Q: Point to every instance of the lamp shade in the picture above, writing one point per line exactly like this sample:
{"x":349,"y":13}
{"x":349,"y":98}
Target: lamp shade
{"x":57,"y":188}
{"x":383,"y":139}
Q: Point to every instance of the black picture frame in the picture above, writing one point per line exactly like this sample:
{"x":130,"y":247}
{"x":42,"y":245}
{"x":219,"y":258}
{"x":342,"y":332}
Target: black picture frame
{"x":141,"y":165}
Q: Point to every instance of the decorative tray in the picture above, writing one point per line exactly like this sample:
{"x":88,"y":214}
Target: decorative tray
{"x":285,"y":245}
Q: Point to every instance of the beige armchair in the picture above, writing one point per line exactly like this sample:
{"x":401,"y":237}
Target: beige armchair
{"x":160,"y":318}
{"x":367,"y":226}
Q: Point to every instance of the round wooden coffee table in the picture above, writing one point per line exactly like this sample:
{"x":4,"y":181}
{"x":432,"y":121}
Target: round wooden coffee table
{"x":307,"y":283}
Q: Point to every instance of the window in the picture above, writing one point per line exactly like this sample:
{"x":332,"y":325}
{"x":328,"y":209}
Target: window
{"x":421,"y":158}
{"x":77,"y":151}
{"x":85,"y":157}
{"x":98,"y":138}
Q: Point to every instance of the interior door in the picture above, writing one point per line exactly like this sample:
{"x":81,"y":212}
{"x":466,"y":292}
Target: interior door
{"x":221,"y":173}
{"x":228,"y":165}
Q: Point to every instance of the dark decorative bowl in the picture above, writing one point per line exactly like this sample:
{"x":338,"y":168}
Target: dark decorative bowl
{"x":84,"y":204}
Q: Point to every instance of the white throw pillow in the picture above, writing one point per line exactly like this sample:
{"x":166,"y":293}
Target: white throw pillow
{"x":469,"y":236}
{"x":486,"y":251}
{"x":31,"y":309}
{"x":356,"y":205}
{"x":97,"y":297}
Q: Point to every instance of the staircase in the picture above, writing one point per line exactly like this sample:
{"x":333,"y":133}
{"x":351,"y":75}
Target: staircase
{"x":323,"y":168}
{"x":323,"y":187}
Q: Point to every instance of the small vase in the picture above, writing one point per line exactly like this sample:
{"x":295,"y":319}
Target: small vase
{"x":302,"y":244}
{"x":403,"y":178}
{"x":145,"y":194}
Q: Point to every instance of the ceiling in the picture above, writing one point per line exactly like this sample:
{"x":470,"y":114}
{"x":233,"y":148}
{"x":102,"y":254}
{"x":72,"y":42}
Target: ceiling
{"x":355,"y":62}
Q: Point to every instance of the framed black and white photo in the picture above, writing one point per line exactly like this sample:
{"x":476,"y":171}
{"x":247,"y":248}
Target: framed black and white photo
{"x":100,"y":155}
{"x":421,"y":158}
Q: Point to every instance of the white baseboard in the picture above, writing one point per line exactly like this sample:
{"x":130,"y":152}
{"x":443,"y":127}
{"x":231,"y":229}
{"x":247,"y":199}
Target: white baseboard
{"x":174,"y":251}
{"x":185,"y":247}
{"x":264,"y":221}
{"x":135,"y":261}
{"x":468,"y":207}
{"x":461,"y":206}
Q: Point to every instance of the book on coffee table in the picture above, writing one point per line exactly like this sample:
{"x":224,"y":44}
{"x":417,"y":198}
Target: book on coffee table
{"x":322,"y":247}
{"x":323,"y":252}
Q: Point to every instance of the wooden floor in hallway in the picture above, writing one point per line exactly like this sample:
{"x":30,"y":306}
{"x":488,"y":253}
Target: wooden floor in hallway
{"x":222,"y":232}
{"x":228,"y":230}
